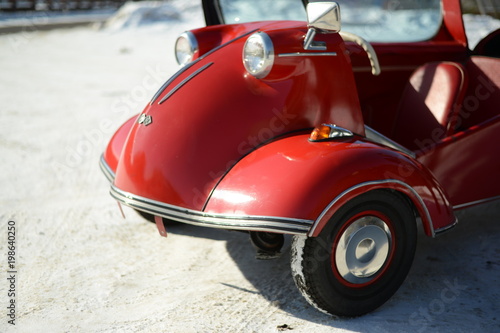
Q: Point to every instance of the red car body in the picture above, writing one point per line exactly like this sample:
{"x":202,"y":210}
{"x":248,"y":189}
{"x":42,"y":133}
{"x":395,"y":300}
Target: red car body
{"x":219,"y":147}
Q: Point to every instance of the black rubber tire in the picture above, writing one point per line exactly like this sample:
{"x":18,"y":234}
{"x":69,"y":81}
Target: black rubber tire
{"x":267,"y":241}
{"x":314,"y":268}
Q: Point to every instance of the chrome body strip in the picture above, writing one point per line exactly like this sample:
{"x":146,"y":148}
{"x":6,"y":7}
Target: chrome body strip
{"x":473,"y":203}
{"x":187,"y":66}
{"x":110,"y":175}
{"x":225,"y":221}
{"x":308,"y":54}
{"x":169,"y":81}
{"x":361,"y":69}
{"x":376,"y":182}
{"x":183,"y":82}
{"x":442,"y":230}
{"x":283,"y":225}
{"x":383,"y":140}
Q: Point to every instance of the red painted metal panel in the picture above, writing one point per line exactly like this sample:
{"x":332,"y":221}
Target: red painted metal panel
{"x":115,"y":145}
{"x":206,"y":143}
{"x":467,"y":163}
{"x":222,"y":113}
{"x":296,"y":178}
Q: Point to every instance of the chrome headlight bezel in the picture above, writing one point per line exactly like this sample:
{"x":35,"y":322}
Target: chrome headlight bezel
{"x":258,"y":54}
{"x":186,"y":46}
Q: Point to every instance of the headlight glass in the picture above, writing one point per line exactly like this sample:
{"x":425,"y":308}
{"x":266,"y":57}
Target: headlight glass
{"x":258,"y":54}
{"x":185,"y":48}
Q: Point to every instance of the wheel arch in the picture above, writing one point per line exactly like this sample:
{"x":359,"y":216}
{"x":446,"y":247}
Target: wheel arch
{"x":403,"y":190}
{"x":295,"y":178}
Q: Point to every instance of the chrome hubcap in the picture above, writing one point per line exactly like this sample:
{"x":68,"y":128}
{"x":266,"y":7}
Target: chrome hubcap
{"x":363,"y":249}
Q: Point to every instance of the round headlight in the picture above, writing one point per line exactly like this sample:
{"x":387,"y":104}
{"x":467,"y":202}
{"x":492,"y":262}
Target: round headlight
{"x":185,"y":48}
{"x":258,"y":54}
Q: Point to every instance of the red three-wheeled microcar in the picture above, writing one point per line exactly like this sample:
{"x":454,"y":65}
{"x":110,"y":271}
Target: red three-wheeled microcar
{"x":342,"y":123}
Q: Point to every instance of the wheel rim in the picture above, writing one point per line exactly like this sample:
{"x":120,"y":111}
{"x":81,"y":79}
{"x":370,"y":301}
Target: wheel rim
{"x":363,"y":249}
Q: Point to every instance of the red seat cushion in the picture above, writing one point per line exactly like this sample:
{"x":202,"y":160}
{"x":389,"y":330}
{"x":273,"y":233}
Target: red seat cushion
{"x":482,"y":99}
{"x":430,"y":104}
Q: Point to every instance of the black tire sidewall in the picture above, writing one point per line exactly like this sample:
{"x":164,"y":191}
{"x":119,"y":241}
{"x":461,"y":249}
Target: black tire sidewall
{"x":338,"y":298}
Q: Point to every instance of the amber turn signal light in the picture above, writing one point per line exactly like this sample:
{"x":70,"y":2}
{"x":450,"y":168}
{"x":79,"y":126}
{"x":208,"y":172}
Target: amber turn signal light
{"x":328,"y":131}
{"x":320,"y":133}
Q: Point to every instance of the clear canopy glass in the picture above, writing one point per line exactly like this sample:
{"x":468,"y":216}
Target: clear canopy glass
{"x":374,"y":20}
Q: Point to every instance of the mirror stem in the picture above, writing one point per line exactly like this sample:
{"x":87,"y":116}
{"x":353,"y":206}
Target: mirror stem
{"x":310,"y":44}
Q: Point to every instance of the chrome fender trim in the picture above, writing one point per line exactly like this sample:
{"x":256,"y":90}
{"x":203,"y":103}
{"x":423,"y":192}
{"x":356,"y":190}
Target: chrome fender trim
{"x":370,"y":183}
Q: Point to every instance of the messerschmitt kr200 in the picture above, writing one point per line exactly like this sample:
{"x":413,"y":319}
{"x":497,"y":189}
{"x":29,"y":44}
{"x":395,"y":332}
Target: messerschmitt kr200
{"x":344,"y":133}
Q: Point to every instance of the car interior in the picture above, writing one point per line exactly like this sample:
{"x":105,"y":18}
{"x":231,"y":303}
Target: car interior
{"x":441,"y":99}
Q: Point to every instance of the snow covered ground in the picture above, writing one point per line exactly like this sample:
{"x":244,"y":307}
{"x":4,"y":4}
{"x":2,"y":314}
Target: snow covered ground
{"x":82,"y":268}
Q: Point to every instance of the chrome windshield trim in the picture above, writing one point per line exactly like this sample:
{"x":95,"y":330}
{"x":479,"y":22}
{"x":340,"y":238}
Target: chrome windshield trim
{"x":376,"y":182}
{"x":183,"y":82}
{"x":308,"y":54}
{"x":225,"y":221}
{"x":110,"y":175}
{"x":187,"y":66}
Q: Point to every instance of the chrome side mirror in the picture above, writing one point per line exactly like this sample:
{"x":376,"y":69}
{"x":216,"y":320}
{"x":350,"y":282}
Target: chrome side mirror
{"x":323,"y":17}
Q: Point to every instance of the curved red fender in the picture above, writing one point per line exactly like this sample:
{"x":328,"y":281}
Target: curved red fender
{"x":115,"y":146}
{"x":212,"y":113}
{"x":295,"y":178}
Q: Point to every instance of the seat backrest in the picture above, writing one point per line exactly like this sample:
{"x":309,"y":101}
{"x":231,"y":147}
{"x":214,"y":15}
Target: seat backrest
{"x":430,"y":104}
{"x":482,"y":99}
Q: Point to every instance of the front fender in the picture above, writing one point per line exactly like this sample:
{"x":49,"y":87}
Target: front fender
{"x":295,"y":178}
{"x":111,"y":156}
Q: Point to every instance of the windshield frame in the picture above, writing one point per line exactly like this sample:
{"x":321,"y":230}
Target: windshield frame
{"x":213,"y":12}
{"x":214,"y":15}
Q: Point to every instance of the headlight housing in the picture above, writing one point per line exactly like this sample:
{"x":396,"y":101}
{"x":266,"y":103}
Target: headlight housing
{"x":258,"y":55}
{"x":186,"y":47}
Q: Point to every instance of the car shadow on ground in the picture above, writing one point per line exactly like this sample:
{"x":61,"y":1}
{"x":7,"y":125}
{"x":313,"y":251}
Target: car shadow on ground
{"x":452,"y":286}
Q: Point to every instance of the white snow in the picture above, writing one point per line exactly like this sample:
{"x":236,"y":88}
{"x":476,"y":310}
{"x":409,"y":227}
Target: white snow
{"x":82,"y":268}
{"x":478,"y":26}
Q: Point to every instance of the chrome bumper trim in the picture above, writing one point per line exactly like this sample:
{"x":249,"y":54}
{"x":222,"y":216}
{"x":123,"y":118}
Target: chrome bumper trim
{"x":106,"y":170}
{"x":225,"y":221}
{"x":283,"y":225}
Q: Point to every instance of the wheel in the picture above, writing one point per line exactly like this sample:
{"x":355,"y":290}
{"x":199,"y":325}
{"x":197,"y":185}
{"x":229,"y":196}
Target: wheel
{"x":267,"y":241}
{"x":360,"y":258}
{"x":268,"y":244}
